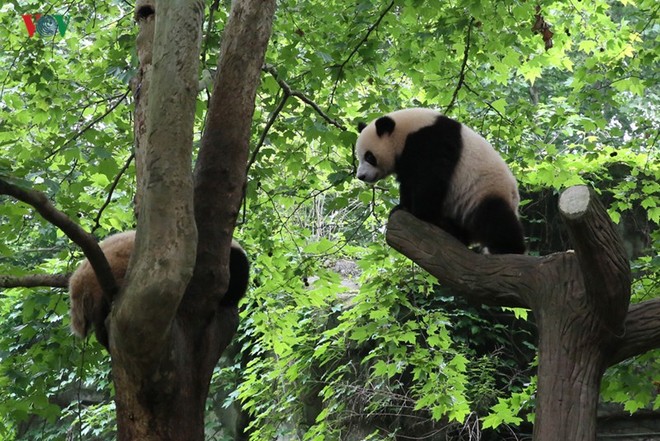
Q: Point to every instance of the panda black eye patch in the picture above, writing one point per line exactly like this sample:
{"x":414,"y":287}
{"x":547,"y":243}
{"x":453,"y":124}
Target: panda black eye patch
{"x":370,"y":159}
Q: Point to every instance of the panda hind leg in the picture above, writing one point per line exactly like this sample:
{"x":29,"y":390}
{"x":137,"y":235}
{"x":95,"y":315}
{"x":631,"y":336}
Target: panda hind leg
{"x":495,"y":225}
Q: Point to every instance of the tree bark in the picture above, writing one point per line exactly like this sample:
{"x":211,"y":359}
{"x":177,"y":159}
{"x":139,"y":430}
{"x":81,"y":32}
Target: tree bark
{"x":220,"y":176}
{"x":219,"y":183}
{"x":580,"y":301}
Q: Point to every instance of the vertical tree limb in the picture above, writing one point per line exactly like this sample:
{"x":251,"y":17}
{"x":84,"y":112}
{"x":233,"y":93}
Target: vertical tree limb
{"x":600,"y":252}
{"x":166,"y":239}
{"x":221,"y":164}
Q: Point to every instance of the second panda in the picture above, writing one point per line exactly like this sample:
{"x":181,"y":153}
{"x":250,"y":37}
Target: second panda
{"x":88,"y":304}
{"x":448,"y":176}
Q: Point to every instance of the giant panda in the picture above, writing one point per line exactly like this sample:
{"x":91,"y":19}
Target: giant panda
{"x":89,"y":306}
{"x":448,"y":175}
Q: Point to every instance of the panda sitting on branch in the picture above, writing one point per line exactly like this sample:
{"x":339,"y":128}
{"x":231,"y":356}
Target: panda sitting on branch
{"x":448,"y":175}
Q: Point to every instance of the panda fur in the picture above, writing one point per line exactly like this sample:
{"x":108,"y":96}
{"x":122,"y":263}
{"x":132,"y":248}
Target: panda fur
{"x":88,"y":305}
{"x":448,"y":175}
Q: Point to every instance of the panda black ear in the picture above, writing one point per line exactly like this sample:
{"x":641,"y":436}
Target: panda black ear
{"x":384,"y":125}
{"x":361,"y":126}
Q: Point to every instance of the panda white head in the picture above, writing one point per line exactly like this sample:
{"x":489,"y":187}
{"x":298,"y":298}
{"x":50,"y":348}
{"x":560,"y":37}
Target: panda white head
{"x":382,"y":141}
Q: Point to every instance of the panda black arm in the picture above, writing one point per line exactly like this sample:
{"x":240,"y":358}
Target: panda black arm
{"x":239,"y":276}
{"x":424,"y":170}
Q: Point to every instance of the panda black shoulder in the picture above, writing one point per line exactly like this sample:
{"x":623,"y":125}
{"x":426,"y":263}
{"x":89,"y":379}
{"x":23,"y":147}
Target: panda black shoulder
{"x":438,"y":143}
{"x":443,"y":128}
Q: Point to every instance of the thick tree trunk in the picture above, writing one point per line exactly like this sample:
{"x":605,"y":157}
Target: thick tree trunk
{"x":166,"y":334}
{"x":167,"y":406}
{"x":157,"y":386}
{"x":571,"y":358}
{"x":579,"y":299}
{"x":571,"y":365}
{"x":580,"y":321}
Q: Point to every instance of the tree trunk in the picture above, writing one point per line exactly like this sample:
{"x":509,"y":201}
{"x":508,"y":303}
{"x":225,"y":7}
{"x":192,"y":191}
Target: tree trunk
{"x":580,"y":320}
{"x":580,"y":300}
{"x":571,"y":359}
{"x":167,"y":331}
{"x":168,"y":405}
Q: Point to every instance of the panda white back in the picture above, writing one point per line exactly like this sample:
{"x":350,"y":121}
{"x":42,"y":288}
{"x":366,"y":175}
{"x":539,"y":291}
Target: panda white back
{"x":482,"y":173}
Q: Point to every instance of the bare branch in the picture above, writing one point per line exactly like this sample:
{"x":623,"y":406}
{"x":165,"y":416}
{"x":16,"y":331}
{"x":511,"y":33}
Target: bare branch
{"x":357,"y":47}
{"x":302,"y":97}
{"x":85,"y":240}
{"x":90,"y":125}
{"x":271,"y":120}
{"x":35,"y":280}
{"x":489,"y":105}
{"x":461,"y":76}
{"x":112,"y":189}
{"x":287,"y":92}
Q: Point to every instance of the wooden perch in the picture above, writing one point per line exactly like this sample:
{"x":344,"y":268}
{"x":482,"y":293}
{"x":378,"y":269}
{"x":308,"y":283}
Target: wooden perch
{"x":579,"y":300}
{"x":489,"y":279}
{"x":641,"y":332}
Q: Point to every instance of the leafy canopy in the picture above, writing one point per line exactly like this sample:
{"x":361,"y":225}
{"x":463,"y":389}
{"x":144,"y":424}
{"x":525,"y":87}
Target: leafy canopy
{"x":337,"y":328}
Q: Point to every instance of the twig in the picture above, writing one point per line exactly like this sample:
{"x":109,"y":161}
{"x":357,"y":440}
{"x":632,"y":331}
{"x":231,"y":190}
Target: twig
{"x":271,"y":120}
{"x":88,"y":126}
{"x":112,"y":189}
{"x":461,"y":77}
{"x":212,"y":10}
{"x":489,"y":105}
{"x":355,"y":49}
{"x":288,"y":92}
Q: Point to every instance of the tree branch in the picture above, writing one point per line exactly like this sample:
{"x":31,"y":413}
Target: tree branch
{"x":90,"y":125}
{"x":499,"y":280}
{"x":288,"y":92}
{"x":35,"y":280}
{"x":642,"y":331}
{"x":302,"y":97}
{"x":83,"y":239}
{"x":271,"y":120}
{"x":220,"y":171}
{"x":489,"y":105}
{"x":355,"y":49}
{"x":115,"y":182}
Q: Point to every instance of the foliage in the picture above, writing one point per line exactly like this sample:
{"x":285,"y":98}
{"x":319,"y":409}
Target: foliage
{"x":328,"y":353}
